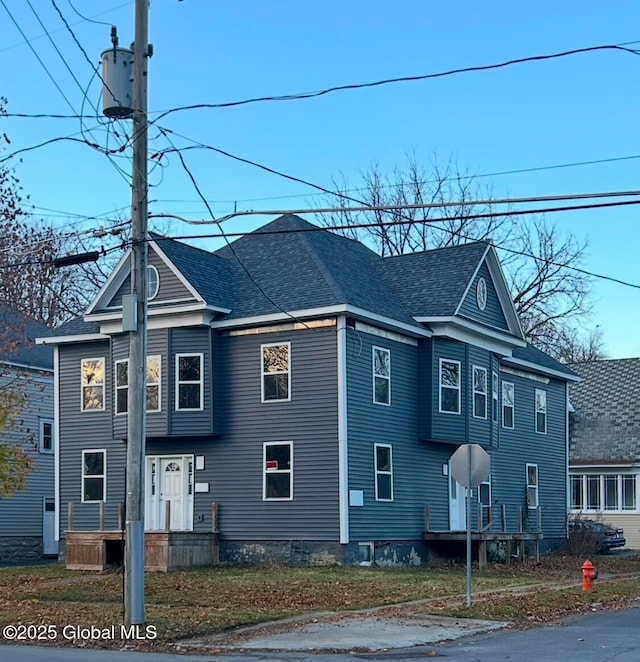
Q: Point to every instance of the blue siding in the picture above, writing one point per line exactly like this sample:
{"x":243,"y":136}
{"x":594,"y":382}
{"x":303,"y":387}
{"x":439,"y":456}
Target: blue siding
{"x":170,"y":289}
{"x":370,"y":423}
{"x":191,"y":341}
{"x":480,"y":429}
{"x":87,"y":430}
{"x":21,"y":515}
{"x":309,"y":420}
{"x":492,"y":315}
{"x":448,"y":427}
{"x":157,"y":344}
{"x":425,"y":389}
{"x":522,"y":446}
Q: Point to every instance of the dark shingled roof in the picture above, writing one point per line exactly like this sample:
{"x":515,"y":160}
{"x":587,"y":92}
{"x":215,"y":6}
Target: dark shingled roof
{"x":606,"y":422}
{"x":77,"y":327}
{"x":533,"y":355}
{"x":432,"y":283}
{"x":291,"y":264}
{"x":209,"y":275}
{"x":301,"y":270}
{"x":18,"y":336}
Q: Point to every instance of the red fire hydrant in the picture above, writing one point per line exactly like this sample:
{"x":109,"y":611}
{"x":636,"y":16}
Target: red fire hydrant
{"x":589,"y":573}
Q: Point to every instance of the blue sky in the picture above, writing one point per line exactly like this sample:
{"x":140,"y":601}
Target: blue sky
{"x":574,"y":109}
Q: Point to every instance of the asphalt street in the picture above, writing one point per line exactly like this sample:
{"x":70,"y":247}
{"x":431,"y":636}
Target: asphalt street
{"x":596,"y":637}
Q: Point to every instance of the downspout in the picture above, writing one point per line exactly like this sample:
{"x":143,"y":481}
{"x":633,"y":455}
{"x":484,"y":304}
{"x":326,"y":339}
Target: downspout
{"x":56,"y":440}
{"x":343,"y":455}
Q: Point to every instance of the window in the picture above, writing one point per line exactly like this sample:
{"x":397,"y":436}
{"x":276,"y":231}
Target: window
{"x":92,"y":380}
{"x":94,"y":475}
{"x":276,"y":376}
{"x":611,"y":492}
{"x":541,"y":411}
{"x":46,"y":436}
{"x":384,"y":472}
{"x":508,"y":401}
{"x":479,"y":392}
{"x":449,"y":386}
{"x":381,"y":376}
{"x":153,"y":282}
{"x":494,"y":397}
{"x":122,"y":384}
{"x":189,"y":382}
{"x":484,"y":492}
{"x":278,"y":471}
{"x":577,"y":499}
{"x":532,"y":485}
{"x":153,"y":383}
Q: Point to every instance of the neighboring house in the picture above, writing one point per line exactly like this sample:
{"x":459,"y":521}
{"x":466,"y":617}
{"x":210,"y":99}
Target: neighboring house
{"x":27,"y":519}
{"x":315,"y":392}
{"x":605,"y":444}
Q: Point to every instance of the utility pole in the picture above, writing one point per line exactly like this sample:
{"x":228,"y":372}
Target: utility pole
{"x":137,"y":368}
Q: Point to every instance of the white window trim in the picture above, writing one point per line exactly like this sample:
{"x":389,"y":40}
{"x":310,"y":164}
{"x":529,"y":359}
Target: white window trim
{"x":458,"y":388}
{"x":530,"y":485}
{"x":103,"y":475}
{"x":535,"y":408}
{"x":102,"y":386}
{"x":601,"y":509}
{"x":374,"y":375}
{"x":43,"y":422}
{"x":278,"y":471}
{"x":123,"y":387}
{"x":152,"y":295}
{"x":495,"y":398}
{"x":473,"y":391}
{"x":263,"y":373}
{"x":158,"y":383}
{"x":513,"y":407}
{"x":380,"y":472}
{"x":117,"y":388}
{"x":178,"y":382}
{"x":485,"y":482}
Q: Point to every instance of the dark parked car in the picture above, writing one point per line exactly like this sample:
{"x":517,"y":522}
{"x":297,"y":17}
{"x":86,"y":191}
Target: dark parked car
{"x":606,"y":537}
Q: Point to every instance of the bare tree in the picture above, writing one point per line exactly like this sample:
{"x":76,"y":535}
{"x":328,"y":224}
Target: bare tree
{"x":574,"y":346}
{"x":548,"y":295}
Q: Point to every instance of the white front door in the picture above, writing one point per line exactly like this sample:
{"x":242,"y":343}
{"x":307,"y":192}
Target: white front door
{"x":169,"y":481}
{"x":457,"y":505}
{"x":49,"y":543}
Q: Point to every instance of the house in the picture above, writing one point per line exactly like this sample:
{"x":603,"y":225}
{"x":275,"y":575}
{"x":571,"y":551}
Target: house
{"x":605,"y":444}
{"x":27,"y":518}
{"x":314,"y":392}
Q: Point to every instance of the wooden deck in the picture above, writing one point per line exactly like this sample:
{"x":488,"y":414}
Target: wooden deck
{"x":491,"y":529}
{"x":164,"y":551}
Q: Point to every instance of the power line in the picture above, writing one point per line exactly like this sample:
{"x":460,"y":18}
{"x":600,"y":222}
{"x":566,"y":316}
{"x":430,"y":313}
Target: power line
{"x":33,"y":50}
{"x":401,"y":79}
{"x":85,"y":18}
{"x":229,"y":244}
{"x":432,"y":221}
{"x":411,"y":206}
{"x":102,"y":13}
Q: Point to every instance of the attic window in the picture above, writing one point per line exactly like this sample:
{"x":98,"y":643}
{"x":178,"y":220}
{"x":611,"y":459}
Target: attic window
{"x":481,"y":293}
{"x":153,"y":282}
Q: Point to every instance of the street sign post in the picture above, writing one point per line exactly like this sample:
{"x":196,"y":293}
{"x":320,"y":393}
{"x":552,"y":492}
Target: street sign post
{"x":470,"y":466}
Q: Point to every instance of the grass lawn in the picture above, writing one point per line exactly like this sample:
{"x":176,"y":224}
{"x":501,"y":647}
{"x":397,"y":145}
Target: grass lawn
{"x":198,"y":602}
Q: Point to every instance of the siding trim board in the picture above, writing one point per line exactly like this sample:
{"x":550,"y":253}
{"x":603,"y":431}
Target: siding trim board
{"x":56,"y":427}
{"x":343,"y":449}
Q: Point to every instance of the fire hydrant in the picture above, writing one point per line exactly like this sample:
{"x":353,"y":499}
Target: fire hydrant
{"x":589,"y":573}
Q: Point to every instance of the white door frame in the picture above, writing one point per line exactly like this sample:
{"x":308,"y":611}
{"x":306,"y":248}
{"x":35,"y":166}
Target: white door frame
{"x":457,"y":497}
{"x":153,"y":502}
{"x":49,"y":542}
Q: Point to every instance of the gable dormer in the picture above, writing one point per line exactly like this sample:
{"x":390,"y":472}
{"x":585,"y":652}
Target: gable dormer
{"x":481,"y":302}
{"x":178,"y":287}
